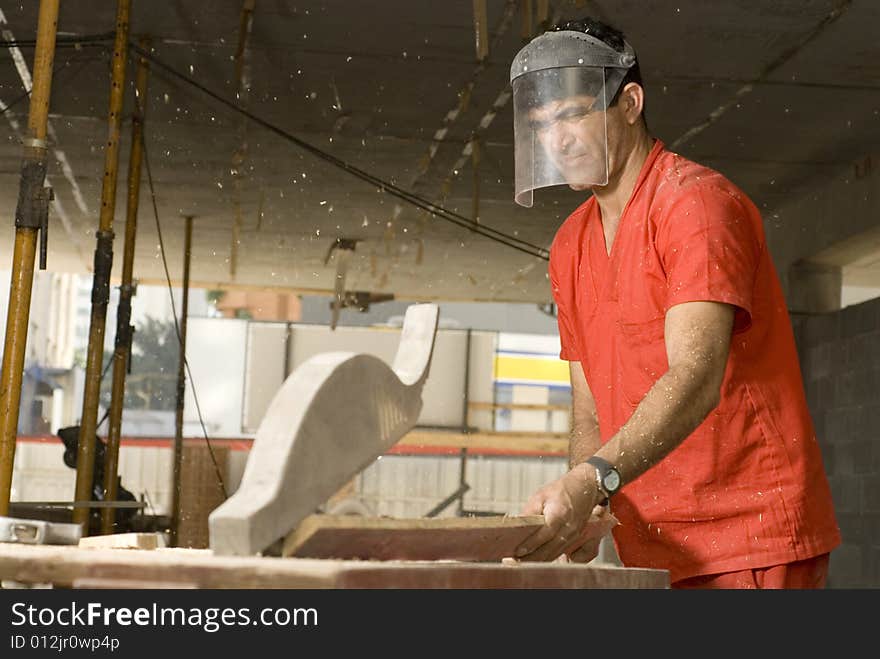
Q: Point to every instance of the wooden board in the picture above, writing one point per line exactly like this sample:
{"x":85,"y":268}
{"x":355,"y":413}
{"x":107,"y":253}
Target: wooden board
{"x":68,"y":566}
{"x":531,"y":442}
{"x":418,"y":539}
{"x":121,"y":541}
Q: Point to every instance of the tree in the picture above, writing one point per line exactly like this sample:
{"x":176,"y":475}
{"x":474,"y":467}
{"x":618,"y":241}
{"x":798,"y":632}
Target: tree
{"x":152,"y":383}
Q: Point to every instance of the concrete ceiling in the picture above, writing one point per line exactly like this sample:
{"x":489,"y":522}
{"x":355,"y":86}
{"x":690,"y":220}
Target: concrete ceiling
{"x":778,"y":95}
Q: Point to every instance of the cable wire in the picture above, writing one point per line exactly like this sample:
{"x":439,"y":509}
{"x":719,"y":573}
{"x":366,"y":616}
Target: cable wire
{"x":99,"y":40}
{"x":410,"y":197}
{"x":70,"y":75}
{"x":174,"y":311}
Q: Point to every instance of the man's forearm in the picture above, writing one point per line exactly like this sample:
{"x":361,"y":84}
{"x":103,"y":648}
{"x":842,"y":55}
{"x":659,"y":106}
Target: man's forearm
{"x":584,"y":440}
{"x":671,"y":410}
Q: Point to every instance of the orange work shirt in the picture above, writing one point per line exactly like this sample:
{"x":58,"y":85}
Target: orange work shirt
{"x":747,"y":488}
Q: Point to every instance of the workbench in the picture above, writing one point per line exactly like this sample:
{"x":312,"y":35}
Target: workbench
{"x":76,"y":567}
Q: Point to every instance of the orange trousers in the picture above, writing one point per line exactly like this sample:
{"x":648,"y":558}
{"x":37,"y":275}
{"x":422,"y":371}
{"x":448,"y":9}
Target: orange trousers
{"x":806,"y":574}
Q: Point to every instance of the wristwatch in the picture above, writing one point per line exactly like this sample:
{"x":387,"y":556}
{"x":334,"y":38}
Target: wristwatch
{"x":607,"y":477}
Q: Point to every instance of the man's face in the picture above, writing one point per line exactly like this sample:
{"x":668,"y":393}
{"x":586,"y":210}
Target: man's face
{"x":572,"y":133}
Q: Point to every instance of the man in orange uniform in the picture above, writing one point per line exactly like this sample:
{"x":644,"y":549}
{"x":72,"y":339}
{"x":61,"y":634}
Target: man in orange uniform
{"x":689,"y":413}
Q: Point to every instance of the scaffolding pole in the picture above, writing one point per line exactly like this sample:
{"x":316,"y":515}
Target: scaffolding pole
{"x":31,"y":217}
{"x":124,"y":329}
{"x":85,"y":457}
{"x":181,"y":388}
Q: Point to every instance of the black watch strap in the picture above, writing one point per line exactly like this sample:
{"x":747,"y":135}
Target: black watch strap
{"x":603,"y":468}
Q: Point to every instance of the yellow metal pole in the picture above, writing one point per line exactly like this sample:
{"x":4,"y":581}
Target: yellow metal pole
{"x":33,"y":200}
{"x":181,"y":389}
{"x":527,"y":28}
{"x":85,"y":457}
{"x":481,"y":29}
{"x":543,"y":14}
{"x":475,"y":161}
{"x":122,"y":347}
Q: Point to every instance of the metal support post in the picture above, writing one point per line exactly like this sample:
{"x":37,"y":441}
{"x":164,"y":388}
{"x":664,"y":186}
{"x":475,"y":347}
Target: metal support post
{"x":181,"y":389}
{"x":85,"y":459}
{"x":31,"y":217}
{"x":124,"y":329}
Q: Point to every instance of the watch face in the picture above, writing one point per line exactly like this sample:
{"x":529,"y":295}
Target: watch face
{"x":612,"y":481}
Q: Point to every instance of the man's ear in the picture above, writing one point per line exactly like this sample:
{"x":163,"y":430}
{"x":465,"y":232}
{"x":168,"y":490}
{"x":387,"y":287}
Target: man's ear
{"x":632,"y":102}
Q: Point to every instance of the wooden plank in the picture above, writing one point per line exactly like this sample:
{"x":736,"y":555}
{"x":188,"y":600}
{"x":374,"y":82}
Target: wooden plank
{"x":537,"y":442}
{"x":417,"y":539}
{"x":73,"y":566}
{"x":451,"y":575}
{"x":490,"y":538}
{"x":121,"y":541}
{"x":478,"y":405}
{"x":88,"y":583}
{"x":67,"y":565}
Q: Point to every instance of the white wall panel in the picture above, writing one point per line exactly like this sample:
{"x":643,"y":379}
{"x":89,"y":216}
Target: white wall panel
{"x":265,"y":362}
{"x":216,"y":359}
{"x":443,"y":393}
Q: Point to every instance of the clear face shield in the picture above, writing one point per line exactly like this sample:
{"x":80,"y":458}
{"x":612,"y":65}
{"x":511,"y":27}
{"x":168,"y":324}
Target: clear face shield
{"x":562,"y":84}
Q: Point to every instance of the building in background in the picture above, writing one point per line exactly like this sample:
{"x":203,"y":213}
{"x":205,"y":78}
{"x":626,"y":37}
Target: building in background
{"x":58,"y":334}
{"x":257,"y":305}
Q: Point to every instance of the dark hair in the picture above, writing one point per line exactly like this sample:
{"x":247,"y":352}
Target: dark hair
{"x":615,"y":39}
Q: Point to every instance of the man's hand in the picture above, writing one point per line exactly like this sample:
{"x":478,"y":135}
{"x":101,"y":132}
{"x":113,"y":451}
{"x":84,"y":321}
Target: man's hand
{"x":567,"y":504}
{"x":584,"y":552}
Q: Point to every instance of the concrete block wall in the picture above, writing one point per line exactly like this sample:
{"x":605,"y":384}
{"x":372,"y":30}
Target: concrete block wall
{"x":840,"y":360}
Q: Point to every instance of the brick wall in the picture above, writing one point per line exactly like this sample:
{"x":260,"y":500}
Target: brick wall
{"x":840,"y":359}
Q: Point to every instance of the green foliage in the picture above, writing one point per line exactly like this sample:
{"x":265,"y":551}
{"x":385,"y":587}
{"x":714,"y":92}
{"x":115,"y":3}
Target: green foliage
{"x":152,"y":383}
{"x":214,"y":295}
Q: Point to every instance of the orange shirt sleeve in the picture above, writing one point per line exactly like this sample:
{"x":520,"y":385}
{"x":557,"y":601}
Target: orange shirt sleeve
{"x":562,"y":289}
{"x":710,"y":242}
